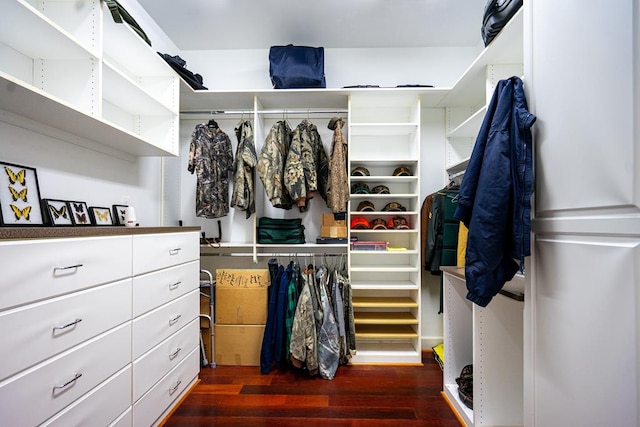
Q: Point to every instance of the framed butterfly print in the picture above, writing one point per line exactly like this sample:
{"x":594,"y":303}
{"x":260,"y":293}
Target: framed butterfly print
{"x":100,"y":216}
{"x":119,"y":212}
{"x":19,"y":196}
{"x":79,"y":213}
{"x":57,"y":212}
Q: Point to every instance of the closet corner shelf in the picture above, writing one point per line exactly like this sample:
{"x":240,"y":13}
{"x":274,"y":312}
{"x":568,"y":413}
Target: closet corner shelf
{"x":461,"y":166}
{"x":29,"y":102}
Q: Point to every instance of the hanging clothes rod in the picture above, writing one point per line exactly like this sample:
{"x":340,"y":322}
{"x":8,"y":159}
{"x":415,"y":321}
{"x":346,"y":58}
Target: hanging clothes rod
{"x":270,"y":111}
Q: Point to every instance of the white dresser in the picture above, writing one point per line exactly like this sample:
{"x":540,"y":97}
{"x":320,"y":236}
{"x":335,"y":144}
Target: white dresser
{"x":100,"y":326}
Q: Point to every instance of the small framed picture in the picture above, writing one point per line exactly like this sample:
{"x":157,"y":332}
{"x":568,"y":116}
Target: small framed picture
{"x":79,"y":213}
{"x":100,"y":216}
{"x":19,"y":196}
{"x":56,"y":212}
{"x":119,"y":212}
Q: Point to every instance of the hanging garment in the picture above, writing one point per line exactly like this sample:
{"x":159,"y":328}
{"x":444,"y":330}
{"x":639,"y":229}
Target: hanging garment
{"x":349,"y":320}
{"x":495,"y":194}
{"x":211,"y":158}
{"x":338,"y":311}
{"x":292,"y":302}
{"x":307,"y":166}
{"x":338,"y":181}
{"x":270,"y":338}
{"x":271,"y":164}
{"x":425,"y":220}
{"x":328,"y":338}
{"x":303,"y":334}
{"x":244,"y":170}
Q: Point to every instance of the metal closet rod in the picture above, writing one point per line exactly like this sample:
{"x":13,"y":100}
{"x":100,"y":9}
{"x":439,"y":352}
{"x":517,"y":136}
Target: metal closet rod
{"x":271,"y":111}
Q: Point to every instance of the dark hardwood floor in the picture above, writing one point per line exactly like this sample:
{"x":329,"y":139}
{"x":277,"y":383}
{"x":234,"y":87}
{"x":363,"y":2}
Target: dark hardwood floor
{"x":357,"y":396}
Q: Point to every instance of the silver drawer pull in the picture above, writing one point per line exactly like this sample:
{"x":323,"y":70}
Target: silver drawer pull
{"x":74,"y":379}
{"x":173,"y":355}
{"x":174,"y":285}
{"x":175,"y":251}
{"x":173,"y":389}
{"x":175,"y":319}
{"x":69,"y":267}
{"x":68,"y":325}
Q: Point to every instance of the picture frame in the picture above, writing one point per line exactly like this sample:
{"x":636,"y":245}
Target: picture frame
{"x":79,"y":213}
{"x":100,"y":216}
{"x":119,"y":212}
{"x":57,"y":212}
{"x":20,"y":203}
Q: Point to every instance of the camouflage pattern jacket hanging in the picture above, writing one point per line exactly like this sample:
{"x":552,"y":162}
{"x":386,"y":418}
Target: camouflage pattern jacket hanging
{"x":211,"y":159}
{"x":244,"y":170}
{"x":307,"y":166}
{"x":271,"y":164}
{"x":338,"y":187}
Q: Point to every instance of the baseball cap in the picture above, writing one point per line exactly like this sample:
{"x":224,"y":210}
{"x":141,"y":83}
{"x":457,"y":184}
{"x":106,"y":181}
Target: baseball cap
{"x":360,"y":188}
{"x":378,"y":224}
{"x":394,"y":207}
{"x":360,"y":171}
{"x":380,"y":189}
{"x":398,"y":223}
{"x":360,"y":223}
{"x":366,"y":205}
{"x":402,"y":171}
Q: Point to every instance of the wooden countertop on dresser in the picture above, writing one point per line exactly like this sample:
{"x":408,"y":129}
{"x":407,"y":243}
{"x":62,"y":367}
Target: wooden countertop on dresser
{"x":19,"y":233}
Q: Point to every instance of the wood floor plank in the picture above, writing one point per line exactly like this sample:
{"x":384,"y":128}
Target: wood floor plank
{"x":359,"y":395}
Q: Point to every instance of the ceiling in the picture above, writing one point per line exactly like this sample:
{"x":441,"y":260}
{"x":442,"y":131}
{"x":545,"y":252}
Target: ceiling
{"x":258,"y":24}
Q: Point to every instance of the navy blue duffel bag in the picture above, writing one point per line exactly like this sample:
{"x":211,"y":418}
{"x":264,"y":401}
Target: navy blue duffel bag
{"x":296,"y":67}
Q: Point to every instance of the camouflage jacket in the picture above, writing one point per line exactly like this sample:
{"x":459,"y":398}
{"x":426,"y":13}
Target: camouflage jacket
{"x":271,"y":164}
{"x":244,"y":170}
{"x":211,"y":157}
{"x":304,"y":339}
{"x":307,"y":166}
{"x":338,"y":185}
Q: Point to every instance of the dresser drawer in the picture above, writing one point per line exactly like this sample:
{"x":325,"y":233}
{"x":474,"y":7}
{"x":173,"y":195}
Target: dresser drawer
{"x":161,"y":359}
{"x":101,"y":406}
{"x":38,"y":269}
{"x":153,"y":327}
{"x":124,"y":420}
{"x":36,"y":394}
{"x":35,"y":332}
{"x":156,"y":251}
{"x":148,"y":410}
{"x":155,"y":289}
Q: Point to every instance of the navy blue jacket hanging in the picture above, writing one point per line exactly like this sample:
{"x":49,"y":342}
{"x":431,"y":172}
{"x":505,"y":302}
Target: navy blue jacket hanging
{"x":494,"y":200}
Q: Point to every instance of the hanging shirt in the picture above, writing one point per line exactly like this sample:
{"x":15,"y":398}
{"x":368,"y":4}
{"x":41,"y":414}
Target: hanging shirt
{"x":244,"y":170}
{"x":210,"y":157}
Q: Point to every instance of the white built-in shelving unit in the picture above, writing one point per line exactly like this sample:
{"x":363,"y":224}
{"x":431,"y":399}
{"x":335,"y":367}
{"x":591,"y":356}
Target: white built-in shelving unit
{"x":68,"y":70}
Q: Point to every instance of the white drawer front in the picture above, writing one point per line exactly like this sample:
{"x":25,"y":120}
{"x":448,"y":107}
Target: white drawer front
{"x":155,"y":364}
{"x":35,"y":332}
{"x":154,"y":289}
{"x":102,"y":406}
{"x":33,"y":396}
{"x":153,"y":327}
{"x":155,"y":251}
{"x":147,"y":410}
{"x":125,"y":420}
{"x":37,"y":269}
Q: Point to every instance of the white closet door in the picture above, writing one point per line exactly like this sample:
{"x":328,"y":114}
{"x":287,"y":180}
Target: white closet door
{"x":583,"y":300}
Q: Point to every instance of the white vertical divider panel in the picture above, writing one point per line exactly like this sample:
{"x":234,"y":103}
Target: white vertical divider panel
{"x":582,"y":305}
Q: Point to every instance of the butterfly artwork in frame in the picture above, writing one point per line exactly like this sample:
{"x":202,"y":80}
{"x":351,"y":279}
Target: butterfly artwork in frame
{"x":57,"y":212}
{"x":100,"y":216}
{"x":119,"y":213}
{"x":79,"y":213}
{"x":19,"y":196}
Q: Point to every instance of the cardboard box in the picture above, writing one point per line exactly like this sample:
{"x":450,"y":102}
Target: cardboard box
{"x":238,"y":345}
{"x":332,"y":228}
{"x":241,"y":297}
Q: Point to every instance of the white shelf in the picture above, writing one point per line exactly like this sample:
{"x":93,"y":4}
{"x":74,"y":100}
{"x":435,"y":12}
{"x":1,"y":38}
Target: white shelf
{"x":382,"y":129}
{"x":398,"y":285}
{"x":465,"y":413}
{"x":470,"y":127}
{"x":506,"y":48}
